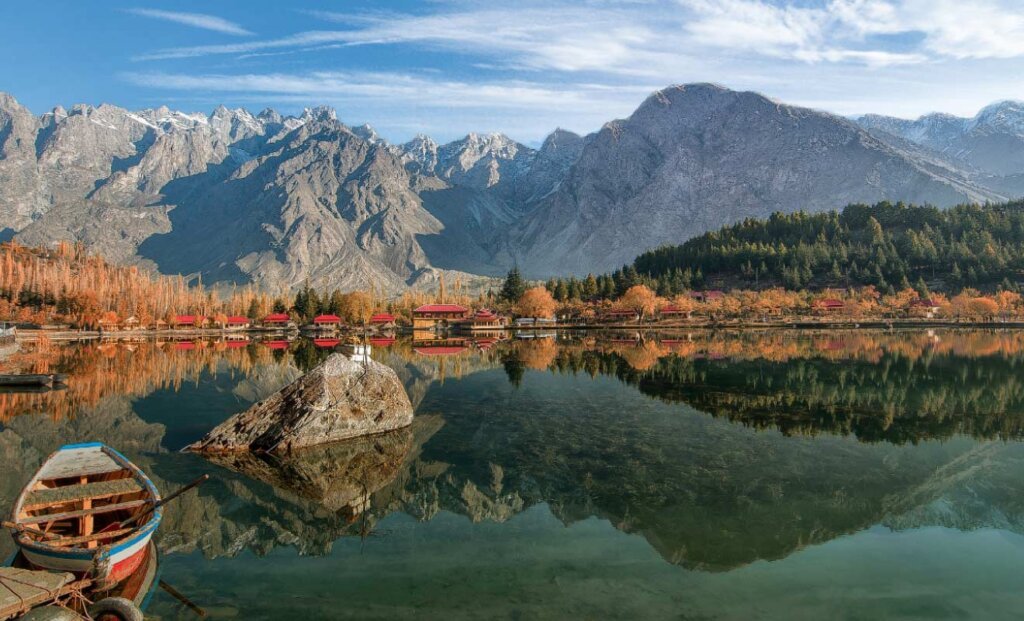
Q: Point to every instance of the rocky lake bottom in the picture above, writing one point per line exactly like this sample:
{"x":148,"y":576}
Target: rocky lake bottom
{"x":689,"y":475}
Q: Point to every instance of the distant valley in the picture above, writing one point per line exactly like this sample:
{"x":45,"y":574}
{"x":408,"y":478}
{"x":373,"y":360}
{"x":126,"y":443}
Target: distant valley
{"x":236,"y":197}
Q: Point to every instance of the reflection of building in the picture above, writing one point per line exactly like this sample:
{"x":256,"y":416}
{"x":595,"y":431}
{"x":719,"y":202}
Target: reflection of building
{"x":432,"y":316}
{"x":440,"y":347}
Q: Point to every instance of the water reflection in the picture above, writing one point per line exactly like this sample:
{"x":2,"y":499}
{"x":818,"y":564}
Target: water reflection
{"x":717,"y":449}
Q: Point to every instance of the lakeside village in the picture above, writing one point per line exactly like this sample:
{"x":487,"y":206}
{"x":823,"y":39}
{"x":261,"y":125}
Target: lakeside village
{"x":64,"y":289}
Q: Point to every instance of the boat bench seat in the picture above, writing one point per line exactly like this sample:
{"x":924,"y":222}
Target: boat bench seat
{"x":40,"y":498}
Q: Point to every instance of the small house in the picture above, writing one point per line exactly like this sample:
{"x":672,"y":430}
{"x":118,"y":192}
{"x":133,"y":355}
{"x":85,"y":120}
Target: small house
{"x":483,"y":320}
{"x":383,"y":320}
{"x":927,"y":308}
{"x":189,"y":322}
{"x":237,"y":322}
{"x":829,"y":305}
{"x":277,"y":320}
{"x":619,"y":316}
{"x":432,"y":316}
{"x":673,"y":311}
{"x":326,"y":322}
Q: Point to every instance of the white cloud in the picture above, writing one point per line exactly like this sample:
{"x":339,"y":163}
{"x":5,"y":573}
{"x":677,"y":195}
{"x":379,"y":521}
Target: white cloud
{"x":196,"y":20}
{"x":531,"y":66}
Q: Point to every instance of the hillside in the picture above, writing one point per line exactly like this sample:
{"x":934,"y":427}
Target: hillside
{"x":886,"y":245}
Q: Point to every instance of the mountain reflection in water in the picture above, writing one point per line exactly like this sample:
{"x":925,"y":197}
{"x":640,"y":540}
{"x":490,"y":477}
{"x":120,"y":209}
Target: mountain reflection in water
{"x":719,"y":450}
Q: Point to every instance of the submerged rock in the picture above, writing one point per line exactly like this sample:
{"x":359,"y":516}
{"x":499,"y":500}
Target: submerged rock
{"x":340,"y":476}
{"x":339,"y":399}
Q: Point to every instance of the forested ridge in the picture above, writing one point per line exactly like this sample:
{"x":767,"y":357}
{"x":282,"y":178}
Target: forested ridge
{"x":890,"y":246}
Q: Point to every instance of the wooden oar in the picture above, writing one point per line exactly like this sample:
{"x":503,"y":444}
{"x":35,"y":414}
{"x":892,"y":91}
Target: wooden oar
{"x":31,"y":531}
{"x":157,"y":505}
{"x":178,"y":595}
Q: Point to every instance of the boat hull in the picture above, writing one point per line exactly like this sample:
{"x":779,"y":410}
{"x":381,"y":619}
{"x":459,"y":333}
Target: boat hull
{"x":107,"y":568}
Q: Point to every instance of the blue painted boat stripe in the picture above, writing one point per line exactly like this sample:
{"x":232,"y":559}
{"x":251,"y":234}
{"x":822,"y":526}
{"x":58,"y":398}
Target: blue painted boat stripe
{"x":81,"y":445}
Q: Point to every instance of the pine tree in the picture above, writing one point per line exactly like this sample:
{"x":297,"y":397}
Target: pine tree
{"x":514,"y":286}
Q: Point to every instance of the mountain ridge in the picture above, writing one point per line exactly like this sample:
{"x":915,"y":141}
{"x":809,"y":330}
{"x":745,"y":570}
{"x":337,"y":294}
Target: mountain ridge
{"x":234,"y":196}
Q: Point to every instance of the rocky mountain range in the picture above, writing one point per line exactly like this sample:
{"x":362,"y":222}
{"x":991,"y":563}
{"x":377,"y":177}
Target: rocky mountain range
{"x":240,"y":197}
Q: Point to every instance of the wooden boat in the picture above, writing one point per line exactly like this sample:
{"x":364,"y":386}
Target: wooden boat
{"x":26,"y":379}
{"x":88,"y":511}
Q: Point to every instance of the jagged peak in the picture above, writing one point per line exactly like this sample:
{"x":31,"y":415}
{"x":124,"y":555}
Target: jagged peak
{"x":269,"y":115}
{"x":319,"y":113}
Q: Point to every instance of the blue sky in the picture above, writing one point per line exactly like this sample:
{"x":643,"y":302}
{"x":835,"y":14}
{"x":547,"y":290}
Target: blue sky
{"x":446,"y":67}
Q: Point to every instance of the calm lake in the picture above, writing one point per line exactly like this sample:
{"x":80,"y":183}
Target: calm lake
{"x":771,"y":475}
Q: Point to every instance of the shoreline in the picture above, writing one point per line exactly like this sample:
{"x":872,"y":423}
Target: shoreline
{"x":27,"y":335}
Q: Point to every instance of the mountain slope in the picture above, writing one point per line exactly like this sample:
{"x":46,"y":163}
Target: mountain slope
{"x":236,"y":197}
{"x":692,"y":158}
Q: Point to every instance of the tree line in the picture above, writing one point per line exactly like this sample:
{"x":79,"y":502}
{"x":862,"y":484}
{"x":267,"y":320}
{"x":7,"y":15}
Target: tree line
{"x":889,"y":246}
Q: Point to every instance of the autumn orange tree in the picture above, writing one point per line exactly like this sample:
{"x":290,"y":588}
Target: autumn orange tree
{"x":639,"y":299}
{"x":536,"y":302}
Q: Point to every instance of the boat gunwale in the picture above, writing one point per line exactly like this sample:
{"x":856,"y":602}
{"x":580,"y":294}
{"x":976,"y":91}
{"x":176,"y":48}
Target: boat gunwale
{"x":78,"y":552}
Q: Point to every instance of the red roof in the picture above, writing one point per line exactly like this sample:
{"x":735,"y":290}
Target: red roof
{"x":185,"y":345}
{"x":484,"y":313}
{"x":382,"y":341}
{"x":185,"y":320}
{"x":382,"y":318}
{"x":327,"y":319}
{"x":276,"y":318}
{"x":441,"y":308}
{"x":236,"y":344}
{"x":277,"y":344}
{"x":326,"y":342}
{"x":671,"y":310}
{"x":237,"y":320}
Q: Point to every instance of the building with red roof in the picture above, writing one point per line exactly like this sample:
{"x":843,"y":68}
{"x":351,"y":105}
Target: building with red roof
{"x":276,"y":319}
{"x":189,"y":321}
{"x":829,"y":305}
{"x":383,"y":320}
{"x":327,"y":343}
{"x":431,"y":316}
{"x":237,"y":322}
{"x":327,"y":321}
{"x":483,"y":319}
{"x":672,"y":310}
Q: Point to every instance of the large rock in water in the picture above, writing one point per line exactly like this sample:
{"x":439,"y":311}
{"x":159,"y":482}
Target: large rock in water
{"x":337,"y":400}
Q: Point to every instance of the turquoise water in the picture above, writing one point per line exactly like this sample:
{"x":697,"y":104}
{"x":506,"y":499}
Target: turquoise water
{"x":745,"y":476}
